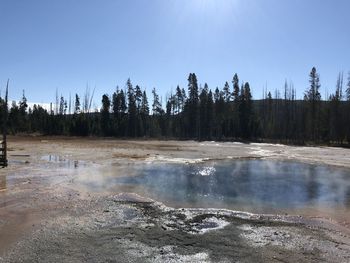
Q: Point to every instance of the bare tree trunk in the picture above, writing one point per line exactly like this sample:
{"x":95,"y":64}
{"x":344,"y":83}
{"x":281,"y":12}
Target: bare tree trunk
{"x":5,"y":127}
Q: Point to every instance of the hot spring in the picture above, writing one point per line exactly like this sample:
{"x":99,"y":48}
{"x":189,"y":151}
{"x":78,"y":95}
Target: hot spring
{"x":259,"y":186}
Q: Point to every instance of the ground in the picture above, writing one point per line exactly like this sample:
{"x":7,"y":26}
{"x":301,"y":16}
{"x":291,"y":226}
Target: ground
{"x":46,"y":216}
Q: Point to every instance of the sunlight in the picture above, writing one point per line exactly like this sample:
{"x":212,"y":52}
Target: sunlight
{"x":217,"y":7}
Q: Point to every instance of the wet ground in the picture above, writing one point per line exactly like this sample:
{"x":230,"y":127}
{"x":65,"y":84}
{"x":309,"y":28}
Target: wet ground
{"x":47,"y":214}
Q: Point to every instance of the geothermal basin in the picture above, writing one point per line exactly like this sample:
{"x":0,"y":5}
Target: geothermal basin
{"x":88,"y":200}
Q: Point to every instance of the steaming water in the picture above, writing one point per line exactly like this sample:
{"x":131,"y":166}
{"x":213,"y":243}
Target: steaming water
{"x":250,"y":185}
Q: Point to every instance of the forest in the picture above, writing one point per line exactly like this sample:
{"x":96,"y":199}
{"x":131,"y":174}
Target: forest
{"x":198,"y":113}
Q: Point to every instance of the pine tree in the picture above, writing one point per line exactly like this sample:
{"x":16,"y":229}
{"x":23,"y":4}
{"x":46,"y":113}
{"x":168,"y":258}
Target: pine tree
{"x":347,"y":109}
{"x":23,"y":105}
{"x":77,"y":104}
{"x":313,"y":96}
{"x":236,"y":100}
{"x":158,"y":112}
{"x":119,"y":109}
{"x":168,"y":107}
{"x":61,"y":109}
{"x":203,"y":115}
{"x":348,"y":88}
{"x":156,"y":106}
{"x":227,"y":92}
{"x":132,"y":110}
{"x":138,"y":98}
{"x":219,"y":113}
{"x":144,"y":104}
{"x":145,"y":113}
{"x":70,"y":104}
{"x":22,"y":117}
{"x":235,"y":82}
{"x":184,"y":98}
{"x":123,"y":106}
{"x":217,"y":94}
{"x":270,"y":123}
{"x":192,"y":106}
{"x":336,"y":131}
{"x":245,"y":111}
{"x":171,"y":105}
{"x":65,"y":106}
{"x":179,"y":100}
{"x":105,"y":112}
{"x":116,"y":104}
{"x":210,"y":115}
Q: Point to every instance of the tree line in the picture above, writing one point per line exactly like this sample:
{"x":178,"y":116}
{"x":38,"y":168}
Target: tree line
{"x":198,"y":113}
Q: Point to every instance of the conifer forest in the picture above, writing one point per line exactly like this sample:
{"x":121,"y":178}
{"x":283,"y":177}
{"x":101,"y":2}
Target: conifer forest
{"x":197,"y":112}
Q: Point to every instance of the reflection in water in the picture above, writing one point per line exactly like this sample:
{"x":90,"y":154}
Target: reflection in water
{"x":269,"y":185}
{"x":61,"y":161}
{"x":312,"y":184}
{"x":2,"y":183}
{"x":347,"y":201}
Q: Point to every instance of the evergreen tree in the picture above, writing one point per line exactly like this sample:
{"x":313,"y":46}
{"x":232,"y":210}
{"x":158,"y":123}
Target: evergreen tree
{"x":192,"y":106}
{"x":203,"y":114}
{"x":61,"y":108}
{"x":77,"y":104}
{"x":14,"y":118}
{"x":38,"y":119}
{"x":245,"y":111}
{"x":210,"y":115}
{"x":227,"y":92}
{"x":132,"y":110}
{"x":156,"y":106}
{"x":227,"y":127}
{"x":348,"y":88}
{"x":219,"y":113}
{"x":105,"y":115}
{"x":138,"y":98}
{"x":145,"y":114}
{"x":184,"y":98}
{"x":157,"y":112}
{"x":270,"y":124}
{"x":117,"y":115}
{"x":336,"y":131}
{"x":169,"y":107}
{"x":22,"y":114}
{"x":236,"y":99}
{"x":70,"y":104}
{"x":23,"y":105}
{"x":347,"y":109}
{"x":179,"y":100}
{"x":144,"y":104}
{"x":122,"y":100}
{"x":116,"y":104}
{"x":313,"y":96}
{"x":235,"y":83}
{"x":217,"y":94}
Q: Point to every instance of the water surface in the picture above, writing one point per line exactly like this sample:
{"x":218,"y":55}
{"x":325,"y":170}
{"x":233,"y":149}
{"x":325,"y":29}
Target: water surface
{"x":250,"y":185}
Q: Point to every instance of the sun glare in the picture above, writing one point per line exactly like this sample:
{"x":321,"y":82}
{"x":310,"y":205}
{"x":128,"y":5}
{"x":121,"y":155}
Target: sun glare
{"x":213,"y":6}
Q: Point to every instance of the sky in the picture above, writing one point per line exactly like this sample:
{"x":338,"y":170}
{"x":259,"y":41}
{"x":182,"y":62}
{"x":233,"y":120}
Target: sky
{"x":65,"y":45}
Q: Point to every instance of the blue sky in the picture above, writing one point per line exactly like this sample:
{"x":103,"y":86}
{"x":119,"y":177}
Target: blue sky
{"x":65,"y":44}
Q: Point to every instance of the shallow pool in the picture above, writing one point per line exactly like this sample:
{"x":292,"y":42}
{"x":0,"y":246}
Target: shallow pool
{"x":250,"y":185}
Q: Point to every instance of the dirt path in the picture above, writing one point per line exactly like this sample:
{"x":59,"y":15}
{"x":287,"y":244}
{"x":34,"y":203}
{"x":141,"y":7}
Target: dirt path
{"x":45,"y":217}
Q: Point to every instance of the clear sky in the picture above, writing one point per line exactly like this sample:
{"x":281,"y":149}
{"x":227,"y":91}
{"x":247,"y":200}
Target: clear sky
{"x":64,"y":44}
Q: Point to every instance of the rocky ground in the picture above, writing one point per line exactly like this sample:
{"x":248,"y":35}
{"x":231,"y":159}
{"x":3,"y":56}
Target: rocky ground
{"x":46,"y":217}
